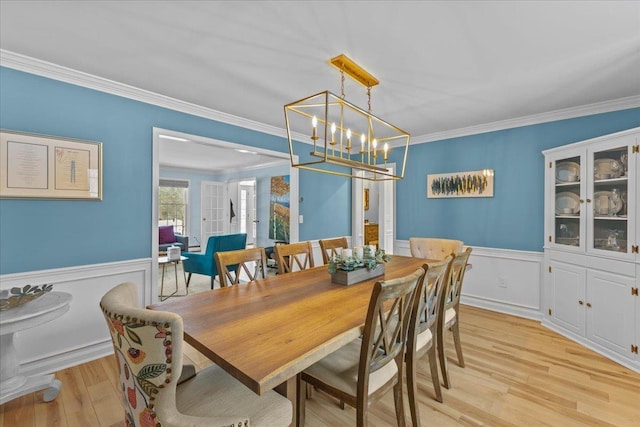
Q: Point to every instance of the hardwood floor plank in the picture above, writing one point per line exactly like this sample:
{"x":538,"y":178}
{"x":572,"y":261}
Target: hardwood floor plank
{"x":49,"y":414}
{"x":19,"y":412}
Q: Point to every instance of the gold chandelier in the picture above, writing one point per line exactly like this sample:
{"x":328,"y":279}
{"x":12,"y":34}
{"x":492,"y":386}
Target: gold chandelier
{"x":345,"y":138}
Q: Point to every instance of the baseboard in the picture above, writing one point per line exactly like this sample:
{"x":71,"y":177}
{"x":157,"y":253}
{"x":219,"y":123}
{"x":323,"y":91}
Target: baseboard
{"x":502,"y":307}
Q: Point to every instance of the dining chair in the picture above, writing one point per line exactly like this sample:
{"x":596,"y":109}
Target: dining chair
{"x":432,"y":248}
{"x":449,"y":311}
{"x":148,"y":351}
{"x":329,"y":246}
{"x":250,"y":261}
{"x":294,"y":257}
{"x":362,"y":371}
{"x":423,"y":330}
{"x":205,"y":263}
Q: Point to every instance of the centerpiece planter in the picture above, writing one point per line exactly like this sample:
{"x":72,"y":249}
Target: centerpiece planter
{"x":343,"y":277}
{"x":357,"y":265}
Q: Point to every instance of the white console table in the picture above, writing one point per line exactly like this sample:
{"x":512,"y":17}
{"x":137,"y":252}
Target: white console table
{"x":34,"y":313}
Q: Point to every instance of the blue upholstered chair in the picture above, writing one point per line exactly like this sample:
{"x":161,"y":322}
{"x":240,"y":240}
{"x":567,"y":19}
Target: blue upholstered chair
{"x":205,"y":263}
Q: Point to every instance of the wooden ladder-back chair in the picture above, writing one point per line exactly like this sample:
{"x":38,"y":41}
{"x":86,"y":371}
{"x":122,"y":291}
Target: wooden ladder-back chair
{"x":362,"y":371}
{"x":294,"y":257}
{"x":433,"y":248}
{"x":423,"y":331}
{"x":449,"y":311}
{"x":329,"y":246}
{"x":231,"y":265}
{"x":148,"y":351}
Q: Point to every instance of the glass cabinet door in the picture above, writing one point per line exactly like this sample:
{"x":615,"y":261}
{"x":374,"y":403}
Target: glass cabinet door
{"x":609,"y":197}
{"x":568,"y":202}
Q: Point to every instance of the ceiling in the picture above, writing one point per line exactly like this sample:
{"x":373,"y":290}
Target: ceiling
{"x":443,"y":65}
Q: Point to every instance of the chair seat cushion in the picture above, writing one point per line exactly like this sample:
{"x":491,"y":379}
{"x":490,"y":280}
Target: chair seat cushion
{"x":340,"y":370}
{"x":449,"y":317}
{"x":215,"y":393}
{"x":423,"y":339}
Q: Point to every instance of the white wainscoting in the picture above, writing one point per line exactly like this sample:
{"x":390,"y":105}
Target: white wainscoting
{"x":507,"y":281}
{"x":80,"y":334}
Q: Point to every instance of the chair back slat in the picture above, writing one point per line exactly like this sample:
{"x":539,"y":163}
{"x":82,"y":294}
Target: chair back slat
{"x":456,"y":277}
{"x":425,"y":310}
{"x":385,"y":332}
{"x":251,"y":261}
{"x":294,"y":257}
{"x":329,"y":246}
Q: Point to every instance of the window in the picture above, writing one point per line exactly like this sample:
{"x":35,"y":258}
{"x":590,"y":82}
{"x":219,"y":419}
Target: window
{"x":172,"y":204}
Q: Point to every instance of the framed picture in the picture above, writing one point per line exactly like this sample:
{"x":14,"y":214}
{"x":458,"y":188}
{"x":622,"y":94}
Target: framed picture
{"x":461,"y":184}
{"x":46,"y":167}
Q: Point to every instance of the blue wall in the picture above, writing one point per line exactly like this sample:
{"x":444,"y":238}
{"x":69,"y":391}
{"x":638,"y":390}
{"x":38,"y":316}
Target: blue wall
{"x":513,"y":218}
{"x":42,"y":234}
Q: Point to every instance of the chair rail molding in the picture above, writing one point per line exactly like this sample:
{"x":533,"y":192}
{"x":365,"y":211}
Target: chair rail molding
{"x":503,"y":280}
{"x":80,"y":335}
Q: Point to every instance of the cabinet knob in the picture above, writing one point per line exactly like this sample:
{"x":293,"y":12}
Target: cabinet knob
{"x":580,"y":302}
{"x":588,"y":200}
{"x":588,"y":304}
{"x":581,"y":200}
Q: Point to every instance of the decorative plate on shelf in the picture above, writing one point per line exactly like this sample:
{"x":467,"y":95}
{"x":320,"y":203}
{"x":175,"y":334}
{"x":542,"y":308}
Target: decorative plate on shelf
{"x":567,"y":203}
{"x":605,"y":204}
{"x":607,"y":168}
{"x":567,"y":172}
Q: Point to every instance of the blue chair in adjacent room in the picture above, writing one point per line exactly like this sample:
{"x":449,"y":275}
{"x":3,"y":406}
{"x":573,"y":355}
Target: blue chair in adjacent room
{"x":205,"y":264}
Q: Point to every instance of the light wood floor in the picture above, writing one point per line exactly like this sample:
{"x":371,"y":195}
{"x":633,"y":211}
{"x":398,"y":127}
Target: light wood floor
{"x":517,"y":374}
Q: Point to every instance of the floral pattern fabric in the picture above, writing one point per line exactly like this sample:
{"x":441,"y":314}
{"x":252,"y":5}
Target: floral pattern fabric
{"x":143,"y":353}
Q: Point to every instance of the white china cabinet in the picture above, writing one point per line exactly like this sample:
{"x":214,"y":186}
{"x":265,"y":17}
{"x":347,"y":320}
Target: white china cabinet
{"x":592,"y":264}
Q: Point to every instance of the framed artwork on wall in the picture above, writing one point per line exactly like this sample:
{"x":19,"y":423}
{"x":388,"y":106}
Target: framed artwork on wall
{"x":460,"y":184}
{"x":46,"y":167}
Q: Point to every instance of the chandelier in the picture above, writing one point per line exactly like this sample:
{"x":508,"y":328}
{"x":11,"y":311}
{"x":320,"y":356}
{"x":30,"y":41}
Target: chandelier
{"x":345,"y":138}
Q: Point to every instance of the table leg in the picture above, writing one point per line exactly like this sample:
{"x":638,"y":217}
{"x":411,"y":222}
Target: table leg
{"x":289,"y":390}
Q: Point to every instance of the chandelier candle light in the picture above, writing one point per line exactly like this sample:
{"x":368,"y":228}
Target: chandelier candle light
{"x":329,"y":123}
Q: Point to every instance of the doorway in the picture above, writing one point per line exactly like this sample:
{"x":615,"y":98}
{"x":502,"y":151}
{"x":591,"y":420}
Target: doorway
{"x":213,"y":144}
{"x":386,"y":207}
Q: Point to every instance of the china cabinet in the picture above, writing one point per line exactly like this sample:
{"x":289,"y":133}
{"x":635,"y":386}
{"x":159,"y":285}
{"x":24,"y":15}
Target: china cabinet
{"x":591,"y":244}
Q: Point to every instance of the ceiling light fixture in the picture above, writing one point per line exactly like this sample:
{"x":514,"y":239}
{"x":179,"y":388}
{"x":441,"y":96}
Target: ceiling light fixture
{"x":345,"y":138}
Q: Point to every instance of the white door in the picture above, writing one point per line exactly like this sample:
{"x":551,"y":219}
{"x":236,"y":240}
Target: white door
{"x":386,"y":212}
{"x":212,"y":211}
{"x":248,"y":221}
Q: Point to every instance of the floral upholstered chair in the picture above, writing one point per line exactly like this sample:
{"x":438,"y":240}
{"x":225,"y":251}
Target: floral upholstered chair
{"x":148,"y":352}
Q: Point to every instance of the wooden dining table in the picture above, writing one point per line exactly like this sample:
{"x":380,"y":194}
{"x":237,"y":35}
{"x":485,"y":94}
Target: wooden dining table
{"x":267,"y":331}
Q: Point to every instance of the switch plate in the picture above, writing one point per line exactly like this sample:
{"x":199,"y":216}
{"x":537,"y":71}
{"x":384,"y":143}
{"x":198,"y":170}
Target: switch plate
{"x":502,"y":282}
{"x":300,"y":219}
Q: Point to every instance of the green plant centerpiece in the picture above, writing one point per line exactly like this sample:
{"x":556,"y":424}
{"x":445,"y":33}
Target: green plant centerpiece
{"x":17,"y":297}
{"x":355,"y":266}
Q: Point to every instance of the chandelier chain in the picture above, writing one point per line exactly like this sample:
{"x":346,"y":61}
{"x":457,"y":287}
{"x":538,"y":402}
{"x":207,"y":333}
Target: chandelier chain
{"x":369,"y":96}
{"x":342,"y":82}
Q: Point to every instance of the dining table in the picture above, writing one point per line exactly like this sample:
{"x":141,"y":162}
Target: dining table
{"x":265,"y":332}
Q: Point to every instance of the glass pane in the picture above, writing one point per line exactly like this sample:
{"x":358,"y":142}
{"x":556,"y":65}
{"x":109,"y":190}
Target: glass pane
{"x":567,"y":201}
{"x":610,"y":186}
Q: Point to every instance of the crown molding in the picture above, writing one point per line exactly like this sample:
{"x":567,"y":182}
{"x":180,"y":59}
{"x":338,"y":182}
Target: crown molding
{"x":46,"y":69}
{"x":550,"y":116}
{"x":57,"y":72}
